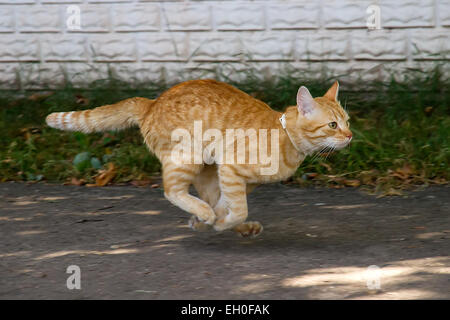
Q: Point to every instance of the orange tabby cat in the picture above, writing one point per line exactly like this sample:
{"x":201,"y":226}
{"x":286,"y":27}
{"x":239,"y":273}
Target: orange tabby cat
{"x":314,"y":124}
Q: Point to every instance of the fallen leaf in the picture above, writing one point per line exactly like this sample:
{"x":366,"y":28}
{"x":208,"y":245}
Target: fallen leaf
{"x":391,"y":192}
{"x":141,"y":183}
{"x":439,"y":181}
{"x":352,"y":182}
{"x":403,"y":172}
{"x":310,"y":175}
{"x":326,"y":166}
{"x":105,"y":176}
{"x":154,"y":186}
{"x":80,"y":99}
{"x":40,"y":96}
{"x":77,"y":182}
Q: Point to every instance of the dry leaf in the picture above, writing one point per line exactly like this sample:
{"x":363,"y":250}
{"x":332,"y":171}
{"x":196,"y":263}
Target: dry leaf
{"x":404,"y":172}
{"x":352,"y":182}
{"x":77,"y":182}
{"x":40,"y":96}
{"x":439,"y":181}
{"x":105,"y":176}
{"x":82,"y":100}
{"x":140,"y":183}
{"x":311,"y":175}
{"x":428,"y":110}
{"x":154,"y":186}
{"x":325,"y":165}
{"x":391,"y":192}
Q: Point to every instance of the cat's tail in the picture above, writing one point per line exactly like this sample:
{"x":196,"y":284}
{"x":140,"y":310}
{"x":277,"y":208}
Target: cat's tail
{"x":124,"y":114}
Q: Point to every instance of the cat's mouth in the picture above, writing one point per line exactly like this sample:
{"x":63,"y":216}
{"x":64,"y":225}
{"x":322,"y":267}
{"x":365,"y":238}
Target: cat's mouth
{"x":343,"y":144}
{"x":338,"y":145}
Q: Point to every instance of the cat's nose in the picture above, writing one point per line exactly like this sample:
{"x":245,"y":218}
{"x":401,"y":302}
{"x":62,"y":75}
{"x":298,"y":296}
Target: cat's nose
{"x":349,"y":135}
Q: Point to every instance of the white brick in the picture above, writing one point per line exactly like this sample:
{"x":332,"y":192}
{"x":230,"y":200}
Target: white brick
{"x":177,"y":72}
{"x":239,"y":16}
{"x":444,"y":12}
{"x":17,"y":1}
{"x":407,"y":13}
{"x":7,"y":19}
{"x":279,"y":47}
{"x":39,"y":18}
{"x":322,"y":46}
{"x":42,"y":75}
{"x":294,"y":15}
{"x":345,"y":14}
{"x":68,"y":47}
{"x":19,"y":48}
{"x":141,"y":17}
{"x":61,"y":1}
{"x":353,"y":72}
{"x":9,"y":76}
{"x":168,"y":47}
{"x":107,"y":1}
{"x":94,"y":18}
{"x":112,"y":48}
{"x":379,"y":45}
{"x":215,"y":47}
{"x":80,"y":74}
{"x":431,"y":46}
{"x":165,"y":0}
{"x":186,"y":16}
{"x":135,"y":73}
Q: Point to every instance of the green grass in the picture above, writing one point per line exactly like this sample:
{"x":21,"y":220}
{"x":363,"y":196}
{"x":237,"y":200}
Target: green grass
{"x":401,"y":132}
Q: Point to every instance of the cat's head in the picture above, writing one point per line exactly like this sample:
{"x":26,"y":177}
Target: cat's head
{"x":321,"y":122}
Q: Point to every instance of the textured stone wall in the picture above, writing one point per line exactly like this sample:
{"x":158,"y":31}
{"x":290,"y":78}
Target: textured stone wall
{"x":151,"y":40}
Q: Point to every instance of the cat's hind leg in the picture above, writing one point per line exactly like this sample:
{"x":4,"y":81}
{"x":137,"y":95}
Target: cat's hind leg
{"x":176,"y":180}
{"x":233,"y":198}
{"x":249,"y":228}
{"x":206,"y":183}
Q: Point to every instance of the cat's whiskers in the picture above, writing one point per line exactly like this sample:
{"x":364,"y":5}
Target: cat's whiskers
{"x":320,"y":152}
{"x":332,"y":150}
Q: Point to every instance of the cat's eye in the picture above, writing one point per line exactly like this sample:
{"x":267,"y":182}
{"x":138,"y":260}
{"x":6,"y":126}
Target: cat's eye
{"x":332,"y":125}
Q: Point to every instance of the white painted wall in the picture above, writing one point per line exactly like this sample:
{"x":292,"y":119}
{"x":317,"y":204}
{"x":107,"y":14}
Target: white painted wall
{"x":149,"y":40}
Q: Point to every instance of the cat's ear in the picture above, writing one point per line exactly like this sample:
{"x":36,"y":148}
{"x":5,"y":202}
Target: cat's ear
{"x":333,"y":92}
{"x":305,"y":101}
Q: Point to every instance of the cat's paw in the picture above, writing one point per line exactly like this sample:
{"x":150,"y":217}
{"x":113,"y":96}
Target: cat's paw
{"x":249,"y":229}
{"x":197,"y":225}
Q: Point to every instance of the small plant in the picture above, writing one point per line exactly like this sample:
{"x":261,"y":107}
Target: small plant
{"x":85,"y":160}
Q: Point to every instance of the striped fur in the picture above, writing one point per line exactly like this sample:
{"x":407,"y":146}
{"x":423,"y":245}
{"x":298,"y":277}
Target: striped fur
{"x":118,"y":116}
{"x":222,"y":188}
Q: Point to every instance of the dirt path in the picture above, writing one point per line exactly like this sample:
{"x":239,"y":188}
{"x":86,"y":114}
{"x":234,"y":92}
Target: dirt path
{"x":130,"y":243}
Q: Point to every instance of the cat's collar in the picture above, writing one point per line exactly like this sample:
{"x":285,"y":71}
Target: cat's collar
{"x":283,"y":121}
{"x":283,"y":124}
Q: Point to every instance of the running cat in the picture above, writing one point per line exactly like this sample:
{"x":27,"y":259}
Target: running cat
{"x":215,"y":108}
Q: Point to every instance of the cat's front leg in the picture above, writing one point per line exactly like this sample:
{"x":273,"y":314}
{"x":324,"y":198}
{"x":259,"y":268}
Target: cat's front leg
{"x":220,"y":210}
{"x":233,"y":199}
